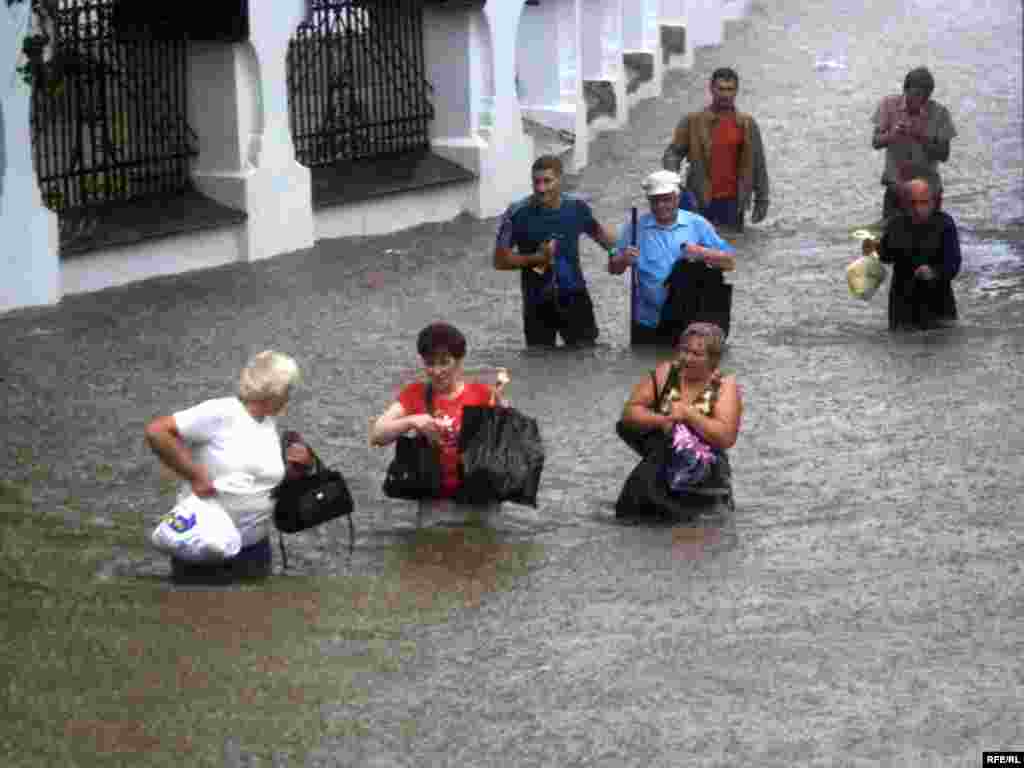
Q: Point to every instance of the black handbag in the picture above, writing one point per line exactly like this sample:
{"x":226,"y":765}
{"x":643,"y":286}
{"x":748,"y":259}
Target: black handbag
{"x":415,"y":472}
{"x":305,"y":502}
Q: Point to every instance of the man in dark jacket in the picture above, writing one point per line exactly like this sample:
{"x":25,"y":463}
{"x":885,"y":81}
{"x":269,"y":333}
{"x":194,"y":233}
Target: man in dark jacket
{"x":924,"y":248}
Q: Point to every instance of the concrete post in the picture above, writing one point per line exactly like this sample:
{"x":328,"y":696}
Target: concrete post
{"x":30,"y":262}
{"x":239,"y":108}
{"x":505,"y":162}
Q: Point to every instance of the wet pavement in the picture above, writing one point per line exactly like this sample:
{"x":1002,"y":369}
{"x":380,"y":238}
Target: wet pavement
{"x":862,"y":606}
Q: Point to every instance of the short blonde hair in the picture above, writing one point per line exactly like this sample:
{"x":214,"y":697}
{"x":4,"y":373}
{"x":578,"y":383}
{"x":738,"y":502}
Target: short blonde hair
{"x":269,"y":374}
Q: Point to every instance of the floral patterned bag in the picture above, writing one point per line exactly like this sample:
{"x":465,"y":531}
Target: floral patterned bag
{"x":690,"y":458}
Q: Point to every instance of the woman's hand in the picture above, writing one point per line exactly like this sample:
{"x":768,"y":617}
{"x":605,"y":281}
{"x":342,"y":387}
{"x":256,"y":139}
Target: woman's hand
{"x":428,"y":426}
{"x":201,"y":484}
{"x":679,"y":413}
{"x":498,"y":390}
{"x":299,"y":453}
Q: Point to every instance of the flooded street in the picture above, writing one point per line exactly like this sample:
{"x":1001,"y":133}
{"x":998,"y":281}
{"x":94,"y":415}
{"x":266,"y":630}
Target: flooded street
{"x":862,"y":607}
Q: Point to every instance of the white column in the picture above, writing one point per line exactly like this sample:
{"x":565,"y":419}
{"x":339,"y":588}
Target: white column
{"x":733,"y":10}
{"x":673,"y":20}
{"x":641,"y":50}
{"x":249,"y":160}
{"x":601,"y":44}
{"x":612,"y":40}
{"x":569,"y":51}
{"x":570,"y":39}
{"x":650,"y":26}
{"x":30,"y":262}
{"x":537,"y":45}
{"x":704,"y":23}
{"x":451,"y":58}
{"x":505,"y":161}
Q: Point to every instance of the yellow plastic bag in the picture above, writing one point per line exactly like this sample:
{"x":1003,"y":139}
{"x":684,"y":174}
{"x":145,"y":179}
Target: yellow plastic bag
{"x":865,"y":275}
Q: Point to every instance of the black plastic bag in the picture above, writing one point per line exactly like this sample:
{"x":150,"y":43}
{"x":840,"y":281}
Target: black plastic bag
{"x":646,"y":495}
{"x":502,"y":456}
{"x":696,"y":294}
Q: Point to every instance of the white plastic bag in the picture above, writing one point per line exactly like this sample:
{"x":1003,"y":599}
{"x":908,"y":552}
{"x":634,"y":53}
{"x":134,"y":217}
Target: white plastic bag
{"x":865,"y":275}
{"x":248,"y":504}
{"x":197,"y":530}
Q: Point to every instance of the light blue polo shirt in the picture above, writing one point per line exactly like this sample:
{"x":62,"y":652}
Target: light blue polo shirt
{"x":660,"y":247}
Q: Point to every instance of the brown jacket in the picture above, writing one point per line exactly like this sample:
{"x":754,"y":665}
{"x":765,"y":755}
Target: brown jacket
{"x":692,"y":139}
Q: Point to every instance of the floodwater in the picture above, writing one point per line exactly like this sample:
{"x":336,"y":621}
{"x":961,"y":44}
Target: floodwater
{"x":861,"y":607}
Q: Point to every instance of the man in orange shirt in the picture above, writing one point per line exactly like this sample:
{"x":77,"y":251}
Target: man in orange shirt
{"x":727,"y":169}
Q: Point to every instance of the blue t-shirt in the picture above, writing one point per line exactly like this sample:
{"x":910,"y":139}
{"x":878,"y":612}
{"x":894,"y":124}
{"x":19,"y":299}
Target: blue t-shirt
{"x":526,"y":225}
{"x":660,"y":248}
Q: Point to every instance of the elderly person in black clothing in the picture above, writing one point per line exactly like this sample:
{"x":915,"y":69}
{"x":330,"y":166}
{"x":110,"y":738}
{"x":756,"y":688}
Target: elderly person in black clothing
{"x":924,"y":249}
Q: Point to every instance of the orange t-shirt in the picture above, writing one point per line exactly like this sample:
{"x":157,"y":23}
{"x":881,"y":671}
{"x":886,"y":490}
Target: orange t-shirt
{"x":726,"y":140}
{"x":414,"y":400}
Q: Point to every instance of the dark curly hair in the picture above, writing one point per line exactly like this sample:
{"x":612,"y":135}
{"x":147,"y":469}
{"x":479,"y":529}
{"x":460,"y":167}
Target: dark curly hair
{"x":441,"y":337}
{"x":920,"y":78}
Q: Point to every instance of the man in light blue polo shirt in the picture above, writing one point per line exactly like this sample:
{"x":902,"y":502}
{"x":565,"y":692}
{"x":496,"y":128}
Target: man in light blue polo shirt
{"x":663,"y":236}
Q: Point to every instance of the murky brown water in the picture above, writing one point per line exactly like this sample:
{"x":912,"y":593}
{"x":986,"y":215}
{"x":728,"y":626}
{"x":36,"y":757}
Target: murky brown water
{"x":863,"y":607}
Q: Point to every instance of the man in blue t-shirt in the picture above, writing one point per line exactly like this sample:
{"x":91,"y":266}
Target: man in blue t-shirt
{"x":540,"y":236}
{"x":664,"y":236}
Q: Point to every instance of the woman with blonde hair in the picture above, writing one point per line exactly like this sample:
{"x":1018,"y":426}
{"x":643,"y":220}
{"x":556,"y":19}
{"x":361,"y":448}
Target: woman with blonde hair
{"x":229,"y":447}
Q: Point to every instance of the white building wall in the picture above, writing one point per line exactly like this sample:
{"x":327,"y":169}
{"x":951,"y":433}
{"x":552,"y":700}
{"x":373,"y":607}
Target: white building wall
{"x":239,"y":109}
{"x":704,"y":19}
{"x":29,"y":268}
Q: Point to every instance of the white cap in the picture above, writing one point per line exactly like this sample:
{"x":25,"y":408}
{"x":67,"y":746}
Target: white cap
{"x":662,"y":183}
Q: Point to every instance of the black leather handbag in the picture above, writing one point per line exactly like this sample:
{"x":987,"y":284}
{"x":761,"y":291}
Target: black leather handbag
{"x":415,"y":472}
{"x":301,"y":503}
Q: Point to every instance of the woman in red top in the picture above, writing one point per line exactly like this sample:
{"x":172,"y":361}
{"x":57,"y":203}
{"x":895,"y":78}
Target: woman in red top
{"x":443,"y":348}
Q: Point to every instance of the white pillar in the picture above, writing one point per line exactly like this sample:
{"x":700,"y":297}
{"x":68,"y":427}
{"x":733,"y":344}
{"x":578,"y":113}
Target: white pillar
{"x":704,"y":20}
{"x":451,"y":56}
{"x":537,"y":46}
{"x":643,"y":69}
{"x":30,"y":264}
{"x":733,"y":10}
{"x":650,"y":25}
{"x":570,"y":67}
{"x":674,"y":28}
{"x":247,"y":158}
{"x":603,"y":83}
{"x":505,"y":162}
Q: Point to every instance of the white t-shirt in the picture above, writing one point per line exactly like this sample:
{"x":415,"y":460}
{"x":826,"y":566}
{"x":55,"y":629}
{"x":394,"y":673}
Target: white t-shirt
{"x":243,"y":457}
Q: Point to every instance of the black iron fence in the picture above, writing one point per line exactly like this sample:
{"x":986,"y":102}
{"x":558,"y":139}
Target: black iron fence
{"x":356,"y":81}
{"x":109,"y":118}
